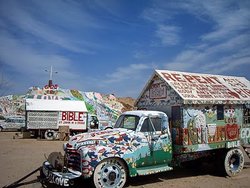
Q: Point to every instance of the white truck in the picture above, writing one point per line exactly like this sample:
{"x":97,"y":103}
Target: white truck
{"x":13,"y":123}
{"x":44,"y":117}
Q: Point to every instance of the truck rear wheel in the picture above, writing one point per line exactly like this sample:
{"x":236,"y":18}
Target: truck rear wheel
{"x":233,"y":162}
{"x":110,"y":173}
{"x":50,"y":134}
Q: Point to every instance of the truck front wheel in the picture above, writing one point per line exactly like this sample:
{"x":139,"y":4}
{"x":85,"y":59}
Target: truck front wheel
{"x":234,"y":162}
{"x":110,"y":172}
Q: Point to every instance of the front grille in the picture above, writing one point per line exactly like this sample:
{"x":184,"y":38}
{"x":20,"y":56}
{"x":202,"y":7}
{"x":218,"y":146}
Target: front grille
{"x":73,"y":159}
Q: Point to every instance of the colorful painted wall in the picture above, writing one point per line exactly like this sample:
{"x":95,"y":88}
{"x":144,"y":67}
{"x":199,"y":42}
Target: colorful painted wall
{"x":196,"y":125}
{"x":245,"y":129}
{"x":159,"y":95}
{"x":12,"y":105}
{"x":202,"y":125}
{"x":106,"y":107}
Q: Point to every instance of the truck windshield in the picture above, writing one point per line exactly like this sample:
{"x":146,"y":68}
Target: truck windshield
{"x":127,"y":122}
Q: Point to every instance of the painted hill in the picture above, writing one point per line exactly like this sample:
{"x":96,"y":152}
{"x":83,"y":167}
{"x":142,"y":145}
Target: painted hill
{"x":106,"y":107}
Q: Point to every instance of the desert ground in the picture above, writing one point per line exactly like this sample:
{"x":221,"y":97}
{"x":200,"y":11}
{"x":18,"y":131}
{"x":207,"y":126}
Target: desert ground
{"x":19,"y":157}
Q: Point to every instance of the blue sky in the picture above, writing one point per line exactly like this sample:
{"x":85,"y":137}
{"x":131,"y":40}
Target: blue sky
{"x":113,"y":46}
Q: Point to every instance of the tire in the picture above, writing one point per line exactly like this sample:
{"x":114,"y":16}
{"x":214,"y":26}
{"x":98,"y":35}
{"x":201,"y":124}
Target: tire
{"x":1,"y":129}
{"x":22,"y":129}
{"x":107,"y":128}
{"x":233,"y":162}
{"x":50,"y":135}
{"x":110,"y":173}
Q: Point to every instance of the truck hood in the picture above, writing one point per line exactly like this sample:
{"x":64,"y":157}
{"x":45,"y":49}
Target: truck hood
{"x":104,"y":137}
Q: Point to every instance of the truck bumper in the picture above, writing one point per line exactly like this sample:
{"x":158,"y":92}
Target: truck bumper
{"x":66,"y":178}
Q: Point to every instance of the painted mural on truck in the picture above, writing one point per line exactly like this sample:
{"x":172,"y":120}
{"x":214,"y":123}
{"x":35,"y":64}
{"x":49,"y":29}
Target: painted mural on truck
{"x":204,"y":109}
{"x":132,"y":146}
{"x":245,"y":129}
{"x":205,"y":127}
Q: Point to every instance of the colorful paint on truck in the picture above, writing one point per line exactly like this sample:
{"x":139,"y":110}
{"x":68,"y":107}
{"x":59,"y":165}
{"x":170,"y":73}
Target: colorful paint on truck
{"x":139,"y":140}
{"x":179,"y":121}
{"x":203,"y":108}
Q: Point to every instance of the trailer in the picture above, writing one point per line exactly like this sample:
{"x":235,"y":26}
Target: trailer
{"x":45,"y":117}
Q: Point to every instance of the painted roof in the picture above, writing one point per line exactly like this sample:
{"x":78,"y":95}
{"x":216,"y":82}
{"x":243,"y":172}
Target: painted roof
{"x":55,"y":105}
{"x":196,"y":88}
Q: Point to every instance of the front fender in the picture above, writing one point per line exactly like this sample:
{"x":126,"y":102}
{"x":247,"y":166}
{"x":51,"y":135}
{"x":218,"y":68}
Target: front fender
{"x":92,"y":155}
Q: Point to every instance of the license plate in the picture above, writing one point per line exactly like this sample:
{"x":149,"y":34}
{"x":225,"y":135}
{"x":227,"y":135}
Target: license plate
{"x":59,"y":178}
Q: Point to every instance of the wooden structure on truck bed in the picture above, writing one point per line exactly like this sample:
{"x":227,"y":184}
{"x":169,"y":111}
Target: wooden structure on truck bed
{"x":206,"y":111}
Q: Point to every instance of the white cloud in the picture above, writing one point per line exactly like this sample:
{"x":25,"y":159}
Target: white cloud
{"x":219,"y":50}
{"x":169,"y":35}
{"x":32,"y":23}
{"x":31,"y":64}
{"x":126,"y":73}
{"x":220,"y":58}
{"x":229,"y":18}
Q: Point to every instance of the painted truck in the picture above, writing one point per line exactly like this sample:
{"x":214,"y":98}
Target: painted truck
{"x":198,"y":119}
{"x":44,"y":117}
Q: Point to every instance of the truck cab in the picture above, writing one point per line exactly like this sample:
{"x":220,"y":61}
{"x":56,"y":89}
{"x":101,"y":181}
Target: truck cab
{"x":139,"y":144}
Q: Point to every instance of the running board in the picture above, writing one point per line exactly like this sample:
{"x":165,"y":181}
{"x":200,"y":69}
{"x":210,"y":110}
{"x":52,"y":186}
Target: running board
{"x":153,"y":169}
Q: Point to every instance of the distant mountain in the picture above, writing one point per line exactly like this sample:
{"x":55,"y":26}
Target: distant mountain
{"x":127,"y":102}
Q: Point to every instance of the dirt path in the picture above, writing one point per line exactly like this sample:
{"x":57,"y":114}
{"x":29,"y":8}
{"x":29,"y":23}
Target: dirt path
{"x":18,"y":157}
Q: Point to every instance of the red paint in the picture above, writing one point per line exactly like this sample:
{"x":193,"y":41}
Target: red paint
{"x":72,"y":116}
{"x":232,"y":131}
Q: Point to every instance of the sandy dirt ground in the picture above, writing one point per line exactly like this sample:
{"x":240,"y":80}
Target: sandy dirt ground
{"x":19,"y":157}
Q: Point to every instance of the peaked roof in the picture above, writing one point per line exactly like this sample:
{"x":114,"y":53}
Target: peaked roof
{"x":196,"y":88}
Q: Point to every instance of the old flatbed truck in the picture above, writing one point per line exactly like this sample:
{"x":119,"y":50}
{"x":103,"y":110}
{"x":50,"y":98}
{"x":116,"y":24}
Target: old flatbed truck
{"x":139,"y":144}
{"x":183,"y":117}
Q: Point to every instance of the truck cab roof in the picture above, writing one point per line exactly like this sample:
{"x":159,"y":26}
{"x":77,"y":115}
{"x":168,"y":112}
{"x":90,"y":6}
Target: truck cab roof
{"x":141,"y":113}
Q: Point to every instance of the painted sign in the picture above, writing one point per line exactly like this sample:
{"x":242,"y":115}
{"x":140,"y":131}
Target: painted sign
{"x":193,"y":86}
{"x":50,"y":89}
{"x":245,"y":135}
{"x":157,"y":91}
{"x":72,"y":118}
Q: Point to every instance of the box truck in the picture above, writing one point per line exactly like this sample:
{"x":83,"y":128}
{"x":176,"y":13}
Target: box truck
{"x":44,"y":117}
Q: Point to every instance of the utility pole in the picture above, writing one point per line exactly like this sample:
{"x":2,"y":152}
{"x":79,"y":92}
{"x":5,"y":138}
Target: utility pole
{"x":50,"y":75}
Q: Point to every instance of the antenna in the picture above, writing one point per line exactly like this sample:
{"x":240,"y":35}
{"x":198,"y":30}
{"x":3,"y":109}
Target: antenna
{"x":51,"y":74}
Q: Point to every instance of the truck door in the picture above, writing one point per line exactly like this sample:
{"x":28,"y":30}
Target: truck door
{"x":156,"y":130}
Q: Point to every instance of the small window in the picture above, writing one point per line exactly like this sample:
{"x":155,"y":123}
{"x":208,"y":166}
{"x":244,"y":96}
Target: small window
{"x":246,"y":115}
{"x":127,"y":122}
{"x":157,"y":123}
{"x":176,"y":116}
{"x":146,"y":127}
{"x":220,"y":112}
{"x":152,"y":124}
